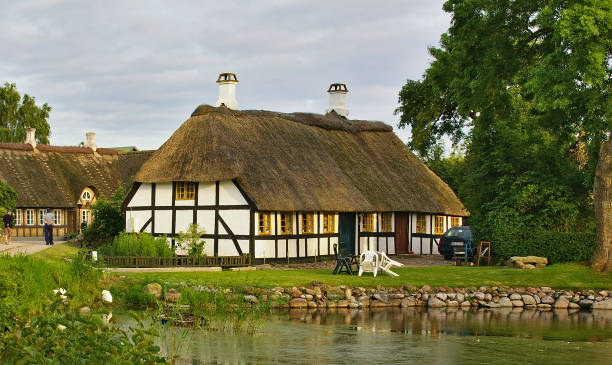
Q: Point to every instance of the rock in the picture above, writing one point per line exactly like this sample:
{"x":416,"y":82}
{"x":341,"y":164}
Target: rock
{"x":295,"y":292}
{"x":298,"y":303}
{"x":536,"y":298}
{"x":311,"y":304}
{"x":528,"y":266}
{"x":561,"y":303}
{"x":572,"y":305}
{"x":334,"y":292}
{"x":547,"y":299}
{"x":586,"y":303}
{"x":330,"y":304}
{"x":382,"y":297}
{"x":172,"y":296}
{"x":353,"y":305}
{"x":515,"y":296}
{"x":479,"y":296}
{"x":153,"y":289}
{"x":348,"y":293}
{"x":364,"y":300}
{"x":517,"y":303}
{"x":66,"y":259}
{"x":395,"y":302}
{"x":249,"y":298}
{"x":528,"y":299}
{"x":460,"y":297}
{"x":442,"y":296}
{"x":84,"y":310}
{"x":603,"y":293}
{"x":378,"y":304}
{"x":426,"y":289}
{"x":308,"y":297}
{"x":505,"y":302}
{"x":452,"y":303}
{"x":529,"y":260}
{"x":606,"y":304}
{"x":408,"y":302}
{"x":434,"y":302}
{"x":465,"y":304}
{"x":342,"y":303}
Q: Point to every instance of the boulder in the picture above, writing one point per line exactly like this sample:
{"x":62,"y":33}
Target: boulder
{"x":517,"y":303}
{"x":527,"y":262}
{"x":172,"y":295}
{"x":452,"y":303}
{"x":442,"y":296}
{"x":408,"y":302}
{"x":434,"y":302}
{"x":465,"y":304}
{"x":505,"y":302}
{"x":251,"y":299}
{"x":364,"y":300}
{"x":342,"y":303}
{"x":153,"y":289}
{"x":382,"y":297}
{"x":311,"y":304}
{"x":561,"y":303}
{"x":606,"y":304}
{"x":528,"y":299}
{"x":586,"y":303}
{"x":515,"y":296}
{"x":547,"y":299}
{"x":298,"y":303}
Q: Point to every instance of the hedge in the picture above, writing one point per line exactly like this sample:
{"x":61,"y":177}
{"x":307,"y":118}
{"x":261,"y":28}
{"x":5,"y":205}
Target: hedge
{"x":556,"y":246}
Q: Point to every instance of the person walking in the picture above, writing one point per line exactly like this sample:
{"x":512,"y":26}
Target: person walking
{"x":8,"y":226}
{"x":49,"y":218}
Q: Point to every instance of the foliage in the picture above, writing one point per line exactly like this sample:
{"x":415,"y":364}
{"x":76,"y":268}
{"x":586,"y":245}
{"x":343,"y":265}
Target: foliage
{"x":192,"y":240}
{"x":556,"y":246}
{"x":17,"y":114}
{"x":8,"y":198}
{"x":452,"y":169}
{"x":140,"y":244}
{"x":108,"y":218}
{"x":525,"y":86}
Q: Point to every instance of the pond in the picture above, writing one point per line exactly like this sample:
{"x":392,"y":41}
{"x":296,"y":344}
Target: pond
{"x":397,"y":336}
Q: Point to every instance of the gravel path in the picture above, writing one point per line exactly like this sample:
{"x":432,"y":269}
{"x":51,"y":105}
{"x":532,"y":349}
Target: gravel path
{"x":25,"y":246}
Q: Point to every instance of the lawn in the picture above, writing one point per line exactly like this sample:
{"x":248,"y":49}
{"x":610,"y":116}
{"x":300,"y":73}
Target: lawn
{"x":562,"y":276}
{"x":566,"y":276}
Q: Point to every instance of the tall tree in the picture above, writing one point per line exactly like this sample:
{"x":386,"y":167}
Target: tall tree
{"x":17,"y":114}
{"x":526,"y":84}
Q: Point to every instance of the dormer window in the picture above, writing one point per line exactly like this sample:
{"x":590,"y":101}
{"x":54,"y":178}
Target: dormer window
{"x":86,"y":195}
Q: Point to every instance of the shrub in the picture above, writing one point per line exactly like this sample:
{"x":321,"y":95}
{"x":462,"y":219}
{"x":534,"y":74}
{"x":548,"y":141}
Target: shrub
{"x":192,"y":240}
{"x":108,"y":220}
{"x":556,"y":246}
{"x":141,"y":244}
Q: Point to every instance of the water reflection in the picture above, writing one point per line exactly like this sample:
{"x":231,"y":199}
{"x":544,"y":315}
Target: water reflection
{"x":400,"y":336}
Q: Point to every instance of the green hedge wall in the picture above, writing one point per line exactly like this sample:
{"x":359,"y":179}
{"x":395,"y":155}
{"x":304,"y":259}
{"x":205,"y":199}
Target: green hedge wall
{"x":556,"y":246}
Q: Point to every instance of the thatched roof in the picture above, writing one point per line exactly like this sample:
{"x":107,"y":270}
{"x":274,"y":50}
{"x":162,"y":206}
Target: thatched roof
{"x":301,"y":162}
{"x":54,"y":176}
{"x":130,"y":162}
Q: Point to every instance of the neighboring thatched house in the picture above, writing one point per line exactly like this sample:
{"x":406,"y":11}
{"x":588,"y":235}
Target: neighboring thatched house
{"x":66,"y":179}
{"x":277,"y":185}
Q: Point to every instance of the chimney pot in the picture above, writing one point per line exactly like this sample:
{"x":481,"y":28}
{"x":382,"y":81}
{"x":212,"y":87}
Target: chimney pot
{"x":91,"y":141}
{"x":31,"y":137}
{"x":227,"y":90}
{"x":337,"y":99}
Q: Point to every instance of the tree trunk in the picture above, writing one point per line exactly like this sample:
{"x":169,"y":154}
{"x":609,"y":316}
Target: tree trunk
{"x":602,"y":191}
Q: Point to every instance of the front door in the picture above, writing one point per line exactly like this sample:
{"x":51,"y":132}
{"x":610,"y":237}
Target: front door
{"x":347,"y":233}
{"x":401,"y":232}
{"x":71,"y":221}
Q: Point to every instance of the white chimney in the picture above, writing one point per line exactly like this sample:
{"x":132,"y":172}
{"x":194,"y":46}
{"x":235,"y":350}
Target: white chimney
{"x":337,"y":99}
{"x":31,"y":137}
{"x":227,"y":90}
{"x":91,"y":141}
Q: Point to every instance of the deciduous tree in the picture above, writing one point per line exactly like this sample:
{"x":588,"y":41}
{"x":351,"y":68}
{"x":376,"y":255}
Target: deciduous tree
{"x":17,"y":114}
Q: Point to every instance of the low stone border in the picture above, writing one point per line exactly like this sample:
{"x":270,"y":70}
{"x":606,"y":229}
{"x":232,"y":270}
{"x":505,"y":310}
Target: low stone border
{"x":318,"y":295}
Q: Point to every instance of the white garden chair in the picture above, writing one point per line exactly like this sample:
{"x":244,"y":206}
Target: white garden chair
{"x":386,"y":263}
{"x":368,"y":262}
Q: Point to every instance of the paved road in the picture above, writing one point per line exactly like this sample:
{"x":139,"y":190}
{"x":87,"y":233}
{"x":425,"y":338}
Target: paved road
{"x":25,"y":246}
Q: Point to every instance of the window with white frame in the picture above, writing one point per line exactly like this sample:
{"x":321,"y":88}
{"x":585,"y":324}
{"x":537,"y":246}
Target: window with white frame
{"x":85,"y":215}
{"x":57,"y":219}
{"x":29,"y":217}
{"x":41,"y":217}
{"x":17,"y":217}
{"x":86,"y":195}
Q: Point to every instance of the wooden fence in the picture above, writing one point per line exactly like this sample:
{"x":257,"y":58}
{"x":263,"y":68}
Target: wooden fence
{"x":173,"y":261}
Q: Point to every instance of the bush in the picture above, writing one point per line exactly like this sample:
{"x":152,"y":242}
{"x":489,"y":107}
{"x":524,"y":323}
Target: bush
{"x":192,"y":240}
{"x":108,"y":220}
{"x":556,"y":246}
{"x":141,"y":244}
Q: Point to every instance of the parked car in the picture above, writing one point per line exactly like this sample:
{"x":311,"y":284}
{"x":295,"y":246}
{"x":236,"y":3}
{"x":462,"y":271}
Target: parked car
{"x":460,"y":236}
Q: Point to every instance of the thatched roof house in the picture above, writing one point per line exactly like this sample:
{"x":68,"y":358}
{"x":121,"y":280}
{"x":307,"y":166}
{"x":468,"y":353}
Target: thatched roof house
{"x":290,"y":184}
{"x":67,"y":179}
{"x":301,"y":162}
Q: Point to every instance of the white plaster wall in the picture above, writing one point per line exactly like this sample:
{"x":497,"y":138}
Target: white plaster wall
{"x":312,"y":247}
{"x":184,"y":203}
{"x":391,"y":246}
{"x":206,"y":193}
{"x":163,"y":221}
{"x":237,"y":220}
{"x":183,"y":219}
{"x":282,"y":248}
{"x":140,"y":218}
{"x":209,"y":247}
{"x":292,"y":248}
{"x":206,"y":220}
{"x":226,"y":248}
{"x":163,"y":194}
{"x":142,"y":198}
{"x":229,"y":194}
{"x":244,"y":246}
{"x":264,"y":248}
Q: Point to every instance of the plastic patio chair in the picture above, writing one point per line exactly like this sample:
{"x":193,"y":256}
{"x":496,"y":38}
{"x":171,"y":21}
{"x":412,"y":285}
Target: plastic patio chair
{"x":368,"y":262}
{"x":386,"y":263}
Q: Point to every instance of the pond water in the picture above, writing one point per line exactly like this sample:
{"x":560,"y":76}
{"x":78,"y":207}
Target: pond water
{"x":401,"y":336}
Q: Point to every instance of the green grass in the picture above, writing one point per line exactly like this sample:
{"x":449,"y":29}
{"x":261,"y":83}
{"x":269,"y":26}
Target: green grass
{"x":58,"y":252}
{"x":562,"y":276}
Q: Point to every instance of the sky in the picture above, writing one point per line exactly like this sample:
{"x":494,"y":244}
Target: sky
{"x":133,"y":71}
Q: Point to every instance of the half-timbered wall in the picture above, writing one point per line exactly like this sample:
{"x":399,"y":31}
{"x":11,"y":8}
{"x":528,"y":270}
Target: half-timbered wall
{"x":36,"y":229}
{"x":376,"y":240}
{"x":426,"y":243}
